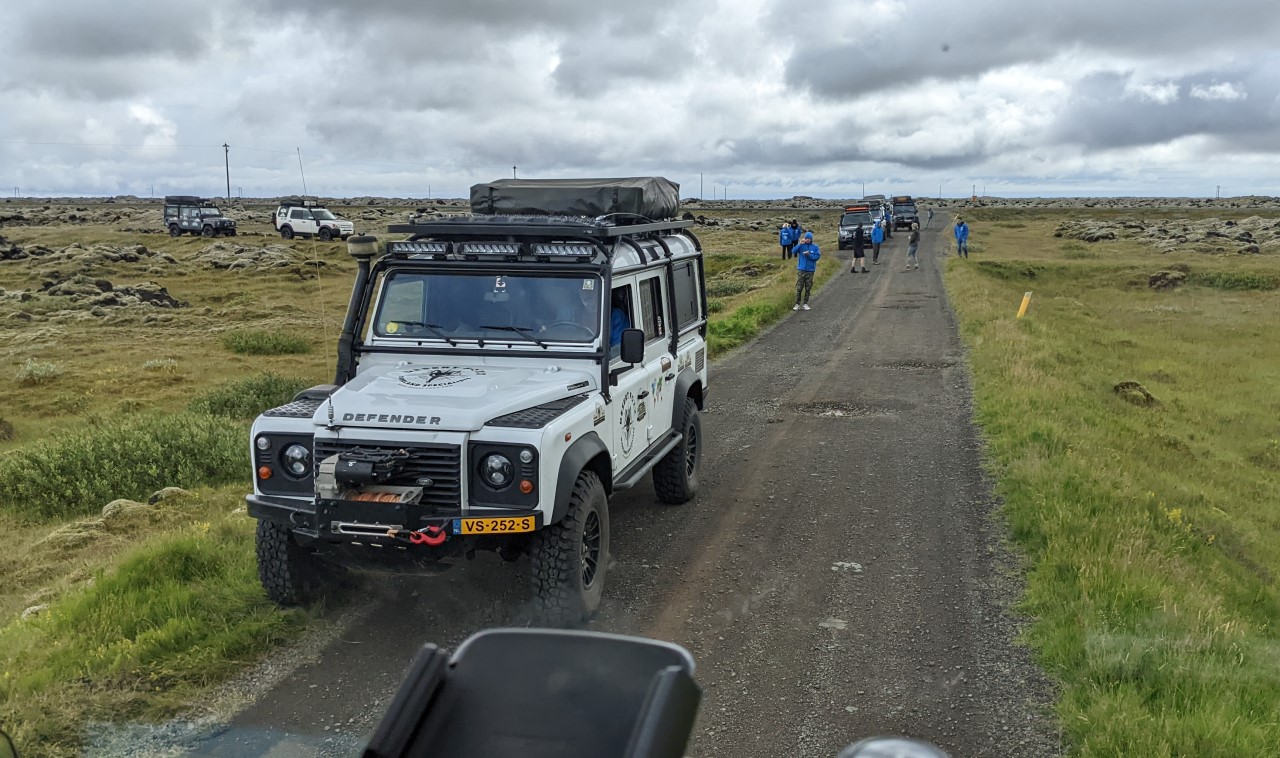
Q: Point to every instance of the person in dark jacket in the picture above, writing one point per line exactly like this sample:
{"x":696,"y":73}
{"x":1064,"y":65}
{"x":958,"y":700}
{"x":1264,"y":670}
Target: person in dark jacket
{"x":859,"y":250}
{"x":807,"y":255}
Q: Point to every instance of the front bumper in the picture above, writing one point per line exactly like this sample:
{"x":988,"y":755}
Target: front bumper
{"x":368,"y":521}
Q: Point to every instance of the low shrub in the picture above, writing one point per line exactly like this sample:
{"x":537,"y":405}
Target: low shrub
{"x":75,"y":474}
{"x":33,"y":372}
{"x":246,"y":398}
{"x":258,"y":342}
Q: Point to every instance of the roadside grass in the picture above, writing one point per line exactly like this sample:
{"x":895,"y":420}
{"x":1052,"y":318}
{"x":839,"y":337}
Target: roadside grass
{"x":259,"y":342}
{"x":163,"y":617}
{"x":1151,"y":530}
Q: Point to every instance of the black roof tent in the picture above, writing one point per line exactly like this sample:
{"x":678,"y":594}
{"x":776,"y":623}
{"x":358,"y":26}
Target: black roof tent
{"x":489,"y":227}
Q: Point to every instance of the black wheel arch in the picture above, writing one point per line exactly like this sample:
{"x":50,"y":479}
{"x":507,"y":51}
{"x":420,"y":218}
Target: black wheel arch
{"x":588,"y":452}
{"x":688,"y":384}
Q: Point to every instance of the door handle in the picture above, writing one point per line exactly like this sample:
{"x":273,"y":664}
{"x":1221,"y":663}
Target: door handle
{"x":671,"y":377}
{"x":642,"y":395}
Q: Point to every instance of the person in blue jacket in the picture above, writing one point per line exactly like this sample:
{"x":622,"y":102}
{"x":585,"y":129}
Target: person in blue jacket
{"x":784,"y":239}
{"x":877,"y":239}
{"x":962,"y":238}
{"x":807,"y":255}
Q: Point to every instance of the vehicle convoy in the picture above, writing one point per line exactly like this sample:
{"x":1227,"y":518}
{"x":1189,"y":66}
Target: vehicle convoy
{"x":499,"y":376}
{"x":849,"y":220}
{"x":904,"y":212}
{"x":187,"y":213}
{"x":307,"y":218}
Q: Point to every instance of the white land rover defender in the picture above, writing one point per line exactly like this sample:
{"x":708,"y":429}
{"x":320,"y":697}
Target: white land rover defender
{"x":499,"y":376}
{"x":306,"y":218}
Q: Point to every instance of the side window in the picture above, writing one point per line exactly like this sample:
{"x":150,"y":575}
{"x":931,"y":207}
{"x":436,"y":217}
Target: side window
{"x":296,"y":213}
{"x":684,"y":283}
{"x":651,"y":313}
{"x":622,"y":315}
{"x":190,"y":213}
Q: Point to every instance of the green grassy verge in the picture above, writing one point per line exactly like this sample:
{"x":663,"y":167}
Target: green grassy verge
{"x":176,"y":613}
{"x":1150,"y":527}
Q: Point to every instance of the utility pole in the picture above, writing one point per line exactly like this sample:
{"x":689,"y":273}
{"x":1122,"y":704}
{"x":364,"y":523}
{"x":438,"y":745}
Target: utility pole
{"x":226,"y":156}
{"x":513,"y":172}
{"x":1219,"y":196}
{"x":700,"y":189}
{"x":240,"y":192}
{"x":939,"y":191}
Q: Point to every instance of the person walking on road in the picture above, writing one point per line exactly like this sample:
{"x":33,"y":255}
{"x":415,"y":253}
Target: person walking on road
{"x":859,"y":250}
{"x":929,"y":222}
{"x":807,"y":255}
{"x":913,"y":244}
{"x":784,"y":239}
{"x":962,"y":238}
{"x":877,"y":239}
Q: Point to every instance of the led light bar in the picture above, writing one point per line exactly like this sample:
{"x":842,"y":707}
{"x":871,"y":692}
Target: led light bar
{"x":564,"y":249}
{"x":417,"y":247}
{"x":491,"y":248}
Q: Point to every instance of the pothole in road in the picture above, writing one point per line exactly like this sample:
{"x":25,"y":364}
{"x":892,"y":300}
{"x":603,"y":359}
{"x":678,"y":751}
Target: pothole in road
{"x":840,"y":410}
{"x":917,"y":365}
{"x":900,"y":307}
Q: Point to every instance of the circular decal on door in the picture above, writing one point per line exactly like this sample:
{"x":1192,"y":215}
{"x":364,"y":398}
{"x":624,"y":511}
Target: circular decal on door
{"x":627,"y":423}
{"x":439,"y":376}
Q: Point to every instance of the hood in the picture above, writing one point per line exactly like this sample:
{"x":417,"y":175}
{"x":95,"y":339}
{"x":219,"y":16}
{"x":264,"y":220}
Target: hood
{"x":447,"y":397}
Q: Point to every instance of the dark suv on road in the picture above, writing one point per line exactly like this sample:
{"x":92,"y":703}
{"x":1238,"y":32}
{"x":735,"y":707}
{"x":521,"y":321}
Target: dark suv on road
{"x":185,"y":213}
{"x":849,"y":220}
{"x":904,"y":212}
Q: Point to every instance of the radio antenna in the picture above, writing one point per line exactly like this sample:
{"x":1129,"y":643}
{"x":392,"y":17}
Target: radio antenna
{"x":315,"y":258}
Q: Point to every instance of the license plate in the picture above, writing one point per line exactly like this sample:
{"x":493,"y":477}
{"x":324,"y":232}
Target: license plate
{"x":503,"y":525}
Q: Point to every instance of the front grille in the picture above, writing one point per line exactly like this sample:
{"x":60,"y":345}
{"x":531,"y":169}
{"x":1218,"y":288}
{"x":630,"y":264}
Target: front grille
{"x":442,"y":464}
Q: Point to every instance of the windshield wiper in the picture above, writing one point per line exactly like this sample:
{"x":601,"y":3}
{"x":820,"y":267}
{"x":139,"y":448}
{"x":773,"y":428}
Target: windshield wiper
{"x":518,"y":330}
{"x":435,"y":329}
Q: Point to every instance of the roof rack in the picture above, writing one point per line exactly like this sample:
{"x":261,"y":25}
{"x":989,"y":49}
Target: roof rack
{"x":525,"y":226}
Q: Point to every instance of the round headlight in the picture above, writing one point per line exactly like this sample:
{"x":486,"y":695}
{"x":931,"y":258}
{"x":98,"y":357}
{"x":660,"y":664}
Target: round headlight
{"x":496,"y":470}
{"x":526,"y":456}
{"x":297,"y":460}
{"x":263,"y":443}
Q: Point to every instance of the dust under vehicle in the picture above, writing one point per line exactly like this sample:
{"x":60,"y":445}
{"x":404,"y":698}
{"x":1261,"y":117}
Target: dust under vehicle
{"x":499,"y":376}
{"x":187,"y":213}
{"x":904,"y":212}
{"x":849,"y":220}
{"x":307,"y":218}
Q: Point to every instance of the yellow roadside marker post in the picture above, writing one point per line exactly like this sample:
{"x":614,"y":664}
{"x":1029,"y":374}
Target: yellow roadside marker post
{"x":1026,"y":303}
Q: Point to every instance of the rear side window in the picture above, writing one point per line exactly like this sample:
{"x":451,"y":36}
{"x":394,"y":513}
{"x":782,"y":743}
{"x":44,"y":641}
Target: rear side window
{"x":684,"y":283}
{"x":651,"y":309}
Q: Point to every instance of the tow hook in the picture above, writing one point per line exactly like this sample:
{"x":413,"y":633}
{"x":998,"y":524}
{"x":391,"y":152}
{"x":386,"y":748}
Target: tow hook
{"x":432,"y":536}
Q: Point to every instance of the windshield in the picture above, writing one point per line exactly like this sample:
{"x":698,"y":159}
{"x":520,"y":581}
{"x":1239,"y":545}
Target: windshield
{"x":853,"y":219}
{"x":322,"y":215}
{"x":524,"y":308}
{"x":903,"y":208}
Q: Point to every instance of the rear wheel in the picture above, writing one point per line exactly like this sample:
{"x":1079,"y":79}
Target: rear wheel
{"x":570,"y":558}
{"x":286,"y":232}
{"x":675,"y":477}
{"x":174,"y":230}
{"x":288,"y":571}
{"x":325,"y":234}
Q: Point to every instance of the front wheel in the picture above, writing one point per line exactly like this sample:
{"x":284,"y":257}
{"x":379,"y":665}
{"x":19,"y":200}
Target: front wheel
{"x":207,"y":231}
{"x":570,"y":558}
{"x":675,"y":477}
{"x":325,"y":234}
{"x":288,"y":571}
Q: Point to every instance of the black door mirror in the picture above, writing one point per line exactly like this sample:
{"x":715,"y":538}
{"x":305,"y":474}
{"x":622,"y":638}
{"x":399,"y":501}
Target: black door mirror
{"x":632,"y":345}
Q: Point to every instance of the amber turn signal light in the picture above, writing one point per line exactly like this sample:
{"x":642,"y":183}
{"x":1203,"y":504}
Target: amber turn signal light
{"x":264,"y":472}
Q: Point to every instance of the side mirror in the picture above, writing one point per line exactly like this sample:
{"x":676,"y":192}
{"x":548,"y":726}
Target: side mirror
{"x":632,"y":345}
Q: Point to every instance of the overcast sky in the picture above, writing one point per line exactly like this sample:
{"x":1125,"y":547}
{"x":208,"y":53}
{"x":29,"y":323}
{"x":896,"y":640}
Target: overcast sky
{"x":771,"y":98}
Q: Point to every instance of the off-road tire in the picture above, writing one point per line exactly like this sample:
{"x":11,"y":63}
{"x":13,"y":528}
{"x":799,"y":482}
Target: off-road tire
{"x":175,"y":230}
{"x":565,"y":593}
{"x":207,"y":231}
{"x":286,"y":232}
{"x":675,"y":477}
{"x":325,"y":234}
{"x":288,"y":572}
{"x":231,"y":233}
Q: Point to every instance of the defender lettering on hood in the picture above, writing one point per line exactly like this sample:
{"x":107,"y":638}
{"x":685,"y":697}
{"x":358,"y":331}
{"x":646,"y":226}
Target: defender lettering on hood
{"x":392,"y":418}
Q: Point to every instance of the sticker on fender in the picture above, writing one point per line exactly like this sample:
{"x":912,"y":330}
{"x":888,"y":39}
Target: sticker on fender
{"x":503,"y":525}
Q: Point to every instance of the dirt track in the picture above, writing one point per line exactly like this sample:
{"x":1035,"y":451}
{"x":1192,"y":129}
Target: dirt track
{"x":838,"y":577}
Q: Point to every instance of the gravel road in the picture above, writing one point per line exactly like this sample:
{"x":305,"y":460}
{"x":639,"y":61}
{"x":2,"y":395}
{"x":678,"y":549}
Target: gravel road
{"x":839,"y":576}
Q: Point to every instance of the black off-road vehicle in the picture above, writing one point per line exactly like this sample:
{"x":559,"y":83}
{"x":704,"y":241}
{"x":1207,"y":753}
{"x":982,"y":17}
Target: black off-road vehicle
{"x":186,"y":213}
